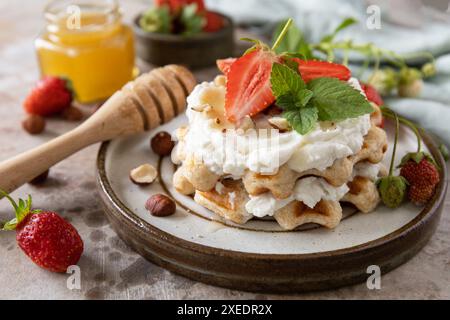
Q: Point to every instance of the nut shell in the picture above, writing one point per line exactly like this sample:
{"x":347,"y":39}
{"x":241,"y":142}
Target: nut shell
{"x":160,"y":205}
{"x":33,"y":124}
{"x":162,"y":143}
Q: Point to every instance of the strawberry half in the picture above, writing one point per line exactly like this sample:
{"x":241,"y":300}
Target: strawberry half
{"x":372,"y":94}
{"x":312,"y":69}
{"x":248,"y":85}
{"x":224,"y":65}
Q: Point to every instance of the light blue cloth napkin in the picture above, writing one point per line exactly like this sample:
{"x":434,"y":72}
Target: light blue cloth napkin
{"x":317,"y":18}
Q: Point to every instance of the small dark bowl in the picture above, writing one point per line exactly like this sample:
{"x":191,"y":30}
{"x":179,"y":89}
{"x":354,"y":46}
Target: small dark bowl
{"x":197,"y":51}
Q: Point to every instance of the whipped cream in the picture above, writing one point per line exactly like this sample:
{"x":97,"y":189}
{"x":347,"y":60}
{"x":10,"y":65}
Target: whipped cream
{"x":309,"y":190}
{"x":367,"y":170}
{"x":263,"y":151}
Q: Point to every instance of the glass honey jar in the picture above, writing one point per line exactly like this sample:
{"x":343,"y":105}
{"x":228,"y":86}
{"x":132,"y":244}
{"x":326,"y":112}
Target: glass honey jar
{"x":86,"y":42}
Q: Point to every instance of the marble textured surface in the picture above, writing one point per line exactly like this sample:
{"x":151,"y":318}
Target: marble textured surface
{"x":109,"y":269}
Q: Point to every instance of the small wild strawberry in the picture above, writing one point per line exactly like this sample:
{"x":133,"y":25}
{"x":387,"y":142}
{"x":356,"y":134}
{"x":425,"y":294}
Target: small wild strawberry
{"x":420,"y":170}
{"x":46,"y":238}
{"x":392,"y":188}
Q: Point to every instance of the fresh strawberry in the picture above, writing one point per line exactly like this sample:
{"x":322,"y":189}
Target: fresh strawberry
{"x":312,"y":69}
{"x":175,"y":5}
{"x":50,"y":96}
{"x":214,"y":22}
{"x":248,"y":87}
{"x":46,"y":238}
{"x":224,"y":65}
{"x":372,"y":94}
{"x":422,"y":175}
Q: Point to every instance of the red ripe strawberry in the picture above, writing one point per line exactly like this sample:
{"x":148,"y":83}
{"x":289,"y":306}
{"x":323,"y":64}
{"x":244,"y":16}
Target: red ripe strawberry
{"x":248,"y":87}
{"x":175,"y":5}
{"x":214,"y":22}
{"x":50,"y":96}
{"x":422,"y":175}
{"x":224,"y":65}
{"x":372,"y":94}
{"x":46,"y":238}
{"x":312,"y":69}
{"x":377,"y":116}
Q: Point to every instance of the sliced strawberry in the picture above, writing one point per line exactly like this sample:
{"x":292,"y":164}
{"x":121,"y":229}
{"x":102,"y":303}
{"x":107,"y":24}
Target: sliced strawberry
{"x":224,"y":65}
{"x":372,"y":94}
{"x":377,"y":116}
{"x":214,"y":22}
{"x":312,"y":69}
{"x":248,"y":86}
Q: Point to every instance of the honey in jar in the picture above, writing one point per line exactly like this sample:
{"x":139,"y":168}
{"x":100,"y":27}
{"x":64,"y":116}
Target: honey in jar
{"x":86,"y":42}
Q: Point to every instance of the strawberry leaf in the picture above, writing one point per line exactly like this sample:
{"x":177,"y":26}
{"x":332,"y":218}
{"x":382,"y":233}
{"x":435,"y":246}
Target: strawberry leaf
{"x":193,"y":22}
{"x":336,"y":100}
{"x":343,"y":25}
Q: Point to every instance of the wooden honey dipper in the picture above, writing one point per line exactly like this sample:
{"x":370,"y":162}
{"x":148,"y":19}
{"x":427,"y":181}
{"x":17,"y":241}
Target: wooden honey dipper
{"x":144,"y":104}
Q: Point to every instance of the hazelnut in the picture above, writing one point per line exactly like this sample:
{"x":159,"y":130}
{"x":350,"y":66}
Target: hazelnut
{"x":162,"y":143}
{"x":72,"y":114}
{"x":40,"y":179}
{"x":144,"y":174}
{"x":160,"y":205}
{"x":247,"y":123}
{"x":34,"y":124}
{"x":280,"y":123}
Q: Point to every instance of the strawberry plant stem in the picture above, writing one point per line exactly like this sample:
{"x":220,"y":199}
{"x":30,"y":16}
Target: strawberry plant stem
{"x":391,"y":115}
{"x":282,"y":34}
{"x":397,"y":128}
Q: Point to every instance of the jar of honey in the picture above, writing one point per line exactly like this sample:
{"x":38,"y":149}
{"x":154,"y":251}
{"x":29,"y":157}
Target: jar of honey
{"x":86,"y":42}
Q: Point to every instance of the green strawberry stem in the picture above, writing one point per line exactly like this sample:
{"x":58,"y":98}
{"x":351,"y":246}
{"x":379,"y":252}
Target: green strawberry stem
{"x":282,"y":34}
{"x":391,"y":115}
{"x":22,"y":210}
{"x":397,"y":129}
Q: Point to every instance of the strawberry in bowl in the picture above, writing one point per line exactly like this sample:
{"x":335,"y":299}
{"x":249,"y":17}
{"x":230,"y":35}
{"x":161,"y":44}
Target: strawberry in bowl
{"x":183,"y":32}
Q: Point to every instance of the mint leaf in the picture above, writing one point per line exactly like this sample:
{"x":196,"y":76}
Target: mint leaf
{"x":285,"y":81}
{"x":336,"y":100}
{"x":302,"y":120}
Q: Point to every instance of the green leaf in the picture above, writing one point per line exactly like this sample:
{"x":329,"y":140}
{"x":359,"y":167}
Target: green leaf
{"x":336,"y":100}
{"x":285,"y":81}
{"x":343,"y":25}
{"x":302,"y":120}
{"x":156,"y":20}
{"x":192,"y":22}
{"x":293,"y":42}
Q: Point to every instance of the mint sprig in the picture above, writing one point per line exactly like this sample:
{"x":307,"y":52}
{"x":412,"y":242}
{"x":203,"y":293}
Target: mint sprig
{"x":322,"y":99}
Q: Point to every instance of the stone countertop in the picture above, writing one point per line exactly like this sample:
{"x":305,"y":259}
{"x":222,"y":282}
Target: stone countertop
{"x":109,"y":269}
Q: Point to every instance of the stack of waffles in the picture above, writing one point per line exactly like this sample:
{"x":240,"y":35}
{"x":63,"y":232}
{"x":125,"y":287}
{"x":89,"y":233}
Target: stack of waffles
{"x":228,"y":197}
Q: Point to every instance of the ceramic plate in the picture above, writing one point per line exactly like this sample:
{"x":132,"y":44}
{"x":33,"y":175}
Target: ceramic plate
{"x":258,"y":256}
